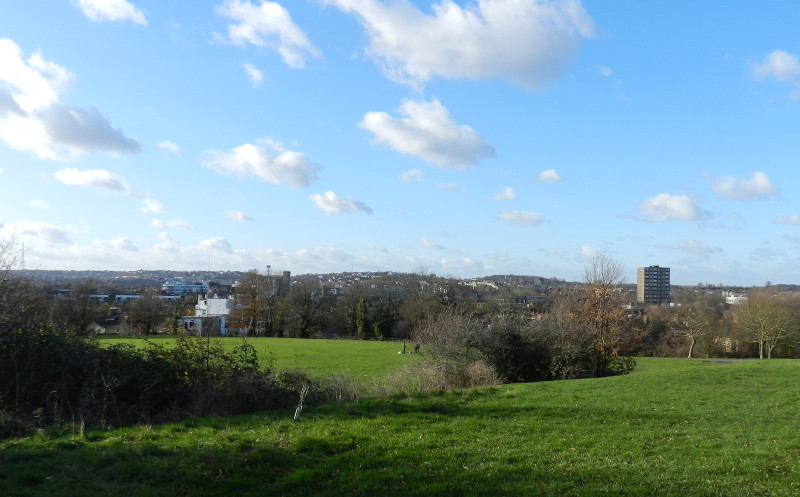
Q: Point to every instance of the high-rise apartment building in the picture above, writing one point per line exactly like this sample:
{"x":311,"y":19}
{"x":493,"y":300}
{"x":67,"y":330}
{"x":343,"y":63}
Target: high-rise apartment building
{"x":652,"y":284}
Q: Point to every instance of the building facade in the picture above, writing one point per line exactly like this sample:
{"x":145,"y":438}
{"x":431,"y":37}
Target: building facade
{"x":652,"y":285}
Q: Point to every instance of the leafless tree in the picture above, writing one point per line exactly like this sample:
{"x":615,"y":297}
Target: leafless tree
{"x":765,"y":320}
{"x":600,"y":305}
{"x":17,"y":297}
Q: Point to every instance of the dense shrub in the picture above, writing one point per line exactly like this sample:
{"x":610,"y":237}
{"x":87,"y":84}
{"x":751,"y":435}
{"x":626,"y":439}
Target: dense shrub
{"x":619,"y":365}
{"x":50,"y":377}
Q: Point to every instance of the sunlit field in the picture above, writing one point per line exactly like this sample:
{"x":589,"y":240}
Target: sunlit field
{"x":674,"y":427}
{"x":358,"y":359}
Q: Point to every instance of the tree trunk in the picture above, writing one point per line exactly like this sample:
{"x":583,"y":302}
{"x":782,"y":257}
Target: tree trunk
{"x":691,"y":346}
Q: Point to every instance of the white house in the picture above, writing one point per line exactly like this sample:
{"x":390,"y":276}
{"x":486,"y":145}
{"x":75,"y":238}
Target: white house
{"x":209,"y":312}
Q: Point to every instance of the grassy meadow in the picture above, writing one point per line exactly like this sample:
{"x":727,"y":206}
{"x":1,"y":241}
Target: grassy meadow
{"x":357,"y":359}
{"x":674,"y":427}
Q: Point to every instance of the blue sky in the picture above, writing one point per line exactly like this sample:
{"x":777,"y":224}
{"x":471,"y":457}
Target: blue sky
{"x":462,"y":138}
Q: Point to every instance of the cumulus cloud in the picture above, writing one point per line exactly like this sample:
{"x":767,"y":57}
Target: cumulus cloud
{"x":238,"y":216}
{"x":112,"y":10}
{"x":124,"y":244}
{"x":49,"y":234}
{"x":666,"y":207}
{"x":414,"y":175}
{"x":756,"y":187}
{"x":169,"y":146}
{"x":255,"y":76}
{"x":332,"y":204}
{"x":506,"y":193}
{"x":268,"y":25}
{"x":153,"y":205}
{"x":39,"y":204}
{"x":791,"y":220}
{"x":217,"y":245}
{"x":425,"y":130}
{"x":33,"y":118}
{"x":526,"y":218}
{"x":98,"y":178}
{"x":779,"y":65}
{"x":282,"y":167}
{"x":528,"y":42}
{"x":549,"y":176}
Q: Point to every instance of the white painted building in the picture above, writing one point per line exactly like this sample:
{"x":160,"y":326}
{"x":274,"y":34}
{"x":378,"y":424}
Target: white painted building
{"x":213,"y":307}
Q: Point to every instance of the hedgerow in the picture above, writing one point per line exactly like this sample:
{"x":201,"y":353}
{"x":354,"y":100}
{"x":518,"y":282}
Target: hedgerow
{"x":49,"y":377}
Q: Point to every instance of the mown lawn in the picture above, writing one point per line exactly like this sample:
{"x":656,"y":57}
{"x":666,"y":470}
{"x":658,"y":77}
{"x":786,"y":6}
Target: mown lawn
{"x":357,"y":359}
{"x":674,"y":427}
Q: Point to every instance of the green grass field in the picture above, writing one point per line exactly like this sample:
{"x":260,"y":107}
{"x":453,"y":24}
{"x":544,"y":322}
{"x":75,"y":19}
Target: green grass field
{"x":674,"y":427}
{"x":357,"y":359}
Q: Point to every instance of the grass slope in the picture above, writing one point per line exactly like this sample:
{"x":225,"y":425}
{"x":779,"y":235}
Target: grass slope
{"x":673,"y":428}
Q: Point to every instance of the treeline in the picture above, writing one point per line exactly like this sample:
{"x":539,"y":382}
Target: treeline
{"x":52,"y":371}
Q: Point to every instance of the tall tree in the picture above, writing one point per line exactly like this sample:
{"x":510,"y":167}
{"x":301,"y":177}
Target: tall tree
{"x":765,"y":320}
{"x":148,"y":312}
{"x":304,"y":308}
{"x":600,"y":307}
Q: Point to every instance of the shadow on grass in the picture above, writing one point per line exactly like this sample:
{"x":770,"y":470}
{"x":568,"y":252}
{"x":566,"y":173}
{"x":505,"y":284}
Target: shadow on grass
{"x":313,"y":467}
{"x":230,"y":456}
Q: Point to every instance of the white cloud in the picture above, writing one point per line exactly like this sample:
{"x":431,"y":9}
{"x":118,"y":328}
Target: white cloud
{"x":757,"y":187}
{"x":32,"y":117}
{"x":791,"y":220}
{"x":331,"y":204}
{"x":549,"y":176}
{"x":506,"y":193}
{"x":216,"y":244}
{"x":527,"y":218}
{"x":666,"y":207}
{"x":605,"y":71}
{"x":112,"y":10}
{"x":588,"y":252}
{"x":39,"y":204}
{"x":255,"y":76}
{"x":268,"y":25}
{"x":694,"y":248}
{"x":429,"y":244}
{"x":169,"y":147}
{"x":779,"y":65}
{"x":414,"y":175}
{"x":238,"y":216}
{"x":425,"y":130}
{"x":153,"y":205}
{"x":176,"y":223}
{"x":527,"y":42}
{"x":99,"y":178}
{"x":452,"y":187}
{"x":284,"y":167}
{"x":49,"y":234}
{"x":124,"y":244}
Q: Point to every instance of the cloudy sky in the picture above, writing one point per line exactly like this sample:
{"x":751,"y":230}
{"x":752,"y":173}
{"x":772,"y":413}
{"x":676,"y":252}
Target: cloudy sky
{"x":459,"y":137}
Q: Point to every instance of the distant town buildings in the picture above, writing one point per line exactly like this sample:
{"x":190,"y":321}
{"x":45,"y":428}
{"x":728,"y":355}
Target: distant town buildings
{"x":652,"y":285}
{"x":183,"y":287}
{"x":733,"y":299}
